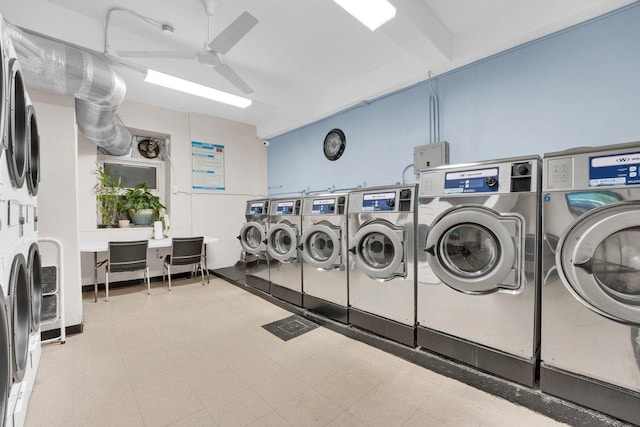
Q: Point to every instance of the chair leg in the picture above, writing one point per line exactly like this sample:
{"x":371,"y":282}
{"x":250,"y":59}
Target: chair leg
{"x":146,"y":271}
{"x":202,"y":273}
{"x":169,"y":274}
{"x":106,"y":285}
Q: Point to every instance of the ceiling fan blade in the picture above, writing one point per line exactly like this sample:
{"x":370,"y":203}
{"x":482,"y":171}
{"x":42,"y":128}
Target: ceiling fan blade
{"x":227,"y":72}
{"x":233,"y":33}
{"x":159,"y":54}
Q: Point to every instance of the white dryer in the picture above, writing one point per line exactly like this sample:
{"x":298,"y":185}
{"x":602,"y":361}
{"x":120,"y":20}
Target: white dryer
{"x":382,"y":236}
{"x":478,"y":280}
{"x":324,"y":255}
{"x":591,"y":288}
{"x":253,"y":237}
{"x":6,"y":358}
{"x":283,"y":240}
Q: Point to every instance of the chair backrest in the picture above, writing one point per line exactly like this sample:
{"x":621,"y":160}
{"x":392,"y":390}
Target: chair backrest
{"x":128,"y":256}
{"x":186,"y":250}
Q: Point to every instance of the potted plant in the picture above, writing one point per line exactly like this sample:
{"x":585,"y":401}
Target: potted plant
{"x":142,"y":206}
{"x":107,"y":191}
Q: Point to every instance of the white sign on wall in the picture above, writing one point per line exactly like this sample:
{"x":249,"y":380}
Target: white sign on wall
{"x":207,"y":166}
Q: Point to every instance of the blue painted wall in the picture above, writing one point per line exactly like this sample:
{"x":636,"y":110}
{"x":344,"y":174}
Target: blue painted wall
{"x":579,"y":87}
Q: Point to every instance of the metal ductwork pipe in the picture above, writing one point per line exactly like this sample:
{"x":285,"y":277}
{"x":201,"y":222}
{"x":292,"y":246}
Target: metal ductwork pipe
{"x":98,"y":90}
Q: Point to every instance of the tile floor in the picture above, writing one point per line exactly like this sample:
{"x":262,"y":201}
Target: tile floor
{"x":198,"y":356}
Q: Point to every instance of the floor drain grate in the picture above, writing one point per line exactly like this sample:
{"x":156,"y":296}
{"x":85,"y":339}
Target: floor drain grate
{"x":291,"y":327}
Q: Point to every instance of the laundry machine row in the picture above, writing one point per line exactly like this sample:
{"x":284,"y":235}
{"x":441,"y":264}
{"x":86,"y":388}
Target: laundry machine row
{"x":525,"y":268}
{"x":20,"y":265}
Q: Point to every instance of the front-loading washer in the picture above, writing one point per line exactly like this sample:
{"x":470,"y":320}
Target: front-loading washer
{"x":252,"y":237}
{"x":283,"y":239}
{"x":381,"y":267}
{"x":479,"y":283}
{"x":591,"y":286}
{"x":324,"y":255}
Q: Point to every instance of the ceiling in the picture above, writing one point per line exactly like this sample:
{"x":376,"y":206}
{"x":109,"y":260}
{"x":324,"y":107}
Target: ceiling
{"x":307,"y":59}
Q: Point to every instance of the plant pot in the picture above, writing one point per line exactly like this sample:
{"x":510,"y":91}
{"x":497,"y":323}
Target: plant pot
{"x":142,"y":217}
{"x":123,"y":223}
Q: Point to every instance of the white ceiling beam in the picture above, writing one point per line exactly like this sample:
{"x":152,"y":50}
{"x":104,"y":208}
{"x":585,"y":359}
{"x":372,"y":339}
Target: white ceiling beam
{"x":417,"y":30}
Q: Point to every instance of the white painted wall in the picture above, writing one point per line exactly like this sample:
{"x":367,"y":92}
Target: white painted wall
{"x":58,"y":207}
{"x":68,"y":160}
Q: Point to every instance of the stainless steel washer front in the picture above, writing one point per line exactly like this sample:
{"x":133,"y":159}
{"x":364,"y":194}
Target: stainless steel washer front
{"x":591,"y":289}
{"x":478,"y":278}
{"x":324,"y":255}
{"x":252,"y":237}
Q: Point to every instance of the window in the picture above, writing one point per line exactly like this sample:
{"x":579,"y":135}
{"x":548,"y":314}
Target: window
{"x":136,"y":171}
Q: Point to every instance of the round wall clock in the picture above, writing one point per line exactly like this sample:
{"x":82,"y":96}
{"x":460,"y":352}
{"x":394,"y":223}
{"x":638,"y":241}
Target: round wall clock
{"x":334,"y":144}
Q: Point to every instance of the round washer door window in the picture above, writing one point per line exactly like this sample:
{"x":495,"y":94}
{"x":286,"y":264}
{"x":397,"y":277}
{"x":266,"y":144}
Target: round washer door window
{"x":475,"y":250}
{"x":282,"y":242}
{"x":379,"y":251}
{"x":252,"y":237}
{"x":599,"y":261}
{"x":5,"y":357}
{"x":321,"y":246}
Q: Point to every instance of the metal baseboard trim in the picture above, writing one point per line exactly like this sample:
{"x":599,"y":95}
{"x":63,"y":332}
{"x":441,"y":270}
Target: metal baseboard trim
{"x":483,"y":358}
{"x":331,"y":310}
{"x":403,"y":334}
{"x":286,"y":294}
{"x":554,"y":407}
{"x":607,"y":398}
{"x":258,"y":283}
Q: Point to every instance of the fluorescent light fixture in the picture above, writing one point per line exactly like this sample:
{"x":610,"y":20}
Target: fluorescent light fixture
{"x":176,"y":83}
{"x":372,"y":13}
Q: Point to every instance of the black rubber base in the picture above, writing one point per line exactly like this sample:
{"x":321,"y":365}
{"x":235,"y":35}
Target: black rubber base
{"x":483,"y":358}
{"x":399,"y":332}
{"x":607,"y":398}
{"x":258,"y":283}
{"x":286,"y":294}
{"x":326,"y":308}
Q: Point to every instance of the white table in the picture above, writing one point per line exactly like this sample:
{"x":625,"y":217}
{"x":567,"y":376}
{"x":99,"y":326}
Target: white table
{"x":96,"y":246}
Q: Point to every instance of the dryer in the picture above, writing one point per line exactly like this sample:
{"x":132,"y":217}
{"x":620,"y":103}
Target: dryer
{"x":253,"y":237}
{"x":283,"y":239}
{"x":479,"y":284}
{"x":324,"y":255}
{"x":591,"y":288}
{"x":382,"y":235}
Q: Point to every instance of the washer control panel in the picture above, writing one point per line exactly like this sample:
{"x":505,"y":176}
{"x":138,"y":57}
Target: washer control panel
{"x":614,"y":170}
{"x":472,"y":181}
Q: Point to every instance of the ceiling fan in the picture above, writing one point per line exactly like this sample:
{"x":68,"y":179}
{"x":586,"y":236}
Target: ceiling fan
{"x":214,"y":49}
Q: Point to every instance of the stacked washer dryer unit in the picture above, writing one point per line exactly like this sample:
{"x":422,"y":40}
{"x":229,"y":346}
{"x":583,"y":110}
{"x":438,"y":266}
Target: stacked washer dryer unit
{"x":253,"y":237}
{"x":20,"y":272}
{"x":479,"y":286}
{"x":382,"y":235}
{"x":324,"y":255}
{"x":591,"y":288}
{"x":283,"y":239}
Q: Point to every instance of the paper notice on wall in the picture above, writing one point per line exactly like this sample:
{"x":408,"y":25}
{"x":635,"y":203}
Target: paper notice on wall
{"x":207,"y":166}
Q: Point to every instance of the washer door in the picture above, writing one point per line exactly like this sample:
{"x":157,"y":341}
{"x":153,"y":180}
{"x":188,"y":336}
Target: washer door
{"x":20,"y":316}
{"x":5,"y":358}
{"x":34,"y":265}
{"x":379,"y":250}
{"x":475,"y":250}
{"x":321,"y":246}
{"x":598,"y":259}
{"x":282,"y":242}
{"x":33,"y":148}
{"x":252,"y":237}
{"x":17,"y":135}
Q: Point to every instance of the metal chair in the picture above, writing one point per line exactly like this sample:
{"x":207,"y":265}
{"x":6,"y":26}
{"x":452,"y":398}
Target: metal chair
{"x":124,"y":257}
{"x":185,"y":251}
